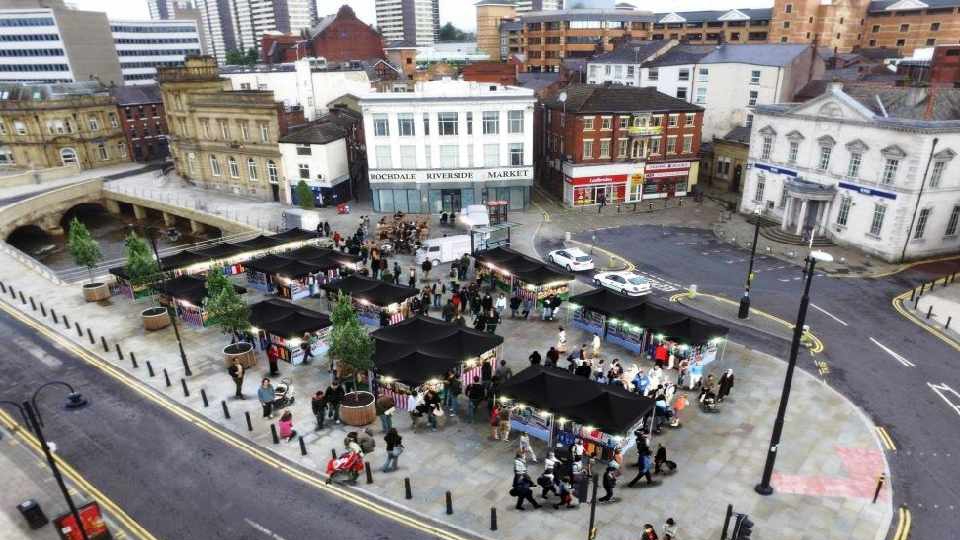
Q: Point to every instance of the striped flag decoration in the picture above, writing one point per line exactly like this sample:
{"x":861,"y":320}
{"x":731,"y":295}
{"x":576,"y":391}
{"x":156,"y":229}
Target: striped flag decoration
{"x":396,"y":318}
{"x":402,"y":402}
{"x":467,"y":375}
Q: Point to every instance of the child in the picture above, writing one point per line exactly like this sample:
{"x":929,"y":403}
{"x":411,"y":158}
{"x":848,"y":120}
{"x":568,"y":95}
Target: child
{"x":286,"y":426}
{"x":526,"y":448}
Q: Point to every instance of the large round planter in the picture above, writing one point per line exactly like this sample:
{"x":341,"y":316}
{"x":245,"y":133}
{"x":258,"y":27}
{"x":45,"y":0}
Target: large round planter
{"x":155,"y":318}
{"x":358,"y":409}
{"x":242,"y":351}
{"x":95,"y":292}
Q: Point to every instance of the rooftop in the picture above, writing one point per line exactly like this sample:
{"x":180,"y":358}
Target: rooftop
{"x":681,"y":55}
{"x":631,"y":52}
{"x":740,"y":134}
{"x":902,"y":5}
{"x":50,"y":91}
{"x":599,"y":98}
{"x":714,"y":15}
{"x":449,"y":88}
{"x":316,"y":132}
{"x":136,"y":95}
{"x":587,"y":15}
{"x":908,"y":103}
{"x":758,"y":54}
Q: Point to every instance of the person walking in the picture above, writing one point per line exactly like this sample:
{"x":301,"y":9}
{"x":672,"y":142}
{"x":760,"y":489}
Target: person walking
{"x":649,"y":533}
{"x":305,"y":346}
{"x":646,"y":470}
{"x":396,"y":272}
{"x":562,"y":340}
{"x":237,"y":373}
{"x":670,"y":529}
{"x":503,"y":371}
{"x":660,"y":459}
{"x":609,"y":482}
{"x":335,"y":395}
{"x":526,"y":448}
{"x":515,"y":304}
{"x":500,"y":305}
{"x":266,"y":396}
{"x":596,"y":346}
{"x":503,"y":422}
{"x":452,"y":397}
{"x":725,"y":384}
{"x":527,"y":307}
{"x":394,"y":449}
{"x":318,"y":404}
{"x":412,"y":277}
{"x":523,"y":491}
{"x":475,"y":393}
{"x":519,"y":466}
{"x":495,"y":422}
{"x":285,"y":426}
{"x":273,"y":357}
{"x":384,"y":406}
{"x":553,"y":357}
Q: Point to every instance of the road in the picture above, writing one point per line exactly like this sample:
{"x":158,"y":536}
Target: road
{"x":905,"y":379}
{"x":175,"y":479}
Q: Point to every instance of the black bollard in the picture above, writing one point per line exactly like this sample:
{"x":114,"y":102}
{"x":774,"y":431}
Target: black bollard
{"x":150,"y":368}
{"x":186,"y":391}
{"x":103,"y":341}
{"x":119,"y":352}
{"x":930,"y":311}
{"x":53,"y":313}
{"x":493,"y":518}
{"x":407,"y":492}
{"x":133,"y":360}
{"x":203,"y":396}
{"x":66,"y":321}
{"x":273,"y":432}
{"x":366,"y":465}
{"x":249,"y":422}
{"x":226,"y":411}
{"x":913,"y":294}
{"x":13,"y":294}
{"x":449,"y":503}
{"x":947,"y":326}
{"x":90,"y":335}
{"x":33,"y":304}
{"x":303,"y":447}
{"x":166,"y":377}
{"x":23,"y":300}
{"x":79,"y":330}
{"x":43,"y":310}
{"x":880,"y":480}
{"x":333,"y":453}
{"x":4,"y":287}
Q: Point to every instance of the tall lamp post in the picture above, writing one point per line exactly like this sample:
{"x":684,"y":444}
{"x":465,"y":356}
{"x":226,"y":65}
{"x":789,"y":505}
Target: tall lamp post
{"x":745,"y":300}
{"x":764,"y":487}
{"x":149,"y":232}
{"x":28,"y":409}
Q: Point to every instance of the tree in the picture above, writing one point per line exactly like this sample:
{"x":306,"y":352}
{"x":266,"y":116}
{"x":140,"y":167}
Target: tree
{"x":141,"y":266}
{"x":228,"y":311}
{"x":216,"y":282}
{"x":426,"y":266}
{"x":349,"y":341}
{"x":449,"y":32}
{"x":304,"y":196}
{"x":83,"y":248}
{"x":252,"y":57}
{"x":235,"y":58}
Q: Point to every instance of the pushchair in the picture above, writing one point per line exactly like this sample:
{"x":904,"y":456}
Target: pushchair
{"x":708,"y":403}
{"x":349,"y":466}
{"x":283,"y":394}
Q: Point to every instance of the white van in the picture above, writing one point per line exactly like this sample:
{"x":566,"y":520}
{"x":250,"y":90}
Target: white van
{"x":443,"y":250}
{"x":473,"y":216}
{"x":299,"y":218}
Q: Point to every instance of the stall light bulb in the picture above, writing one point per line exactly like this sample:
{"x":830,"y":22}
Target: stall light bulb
{"x":504,"y":399}
{"x":659,"y":336}
{"x":295,"y":342}
{"x":387,"y":380}
{"x":562,"y":420}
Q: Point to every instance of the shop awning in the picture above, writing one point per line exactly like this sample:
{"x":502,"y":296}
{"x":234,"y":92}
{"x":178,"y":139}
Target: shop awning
{"x":374,"y":291}
{"x":432,"y":337}
{"x":181,"y":259}
{"x":268,"y":264}
{"x":295,"y":235}
{"x":260,"y":242}
{"x":415,"y":367}
{"x":190,"y":289}
{"x":650,"y":316}
{"x":607,"y":302}
{"x":298,"y":269}
{"x":497,"y":255}
{"x":692,"y":331}
{"x":286,"y":320}
{"x":543,"y":275}
{"x":220,"y":251}
{"x":327,"y":259}
{"x":526,"y":269}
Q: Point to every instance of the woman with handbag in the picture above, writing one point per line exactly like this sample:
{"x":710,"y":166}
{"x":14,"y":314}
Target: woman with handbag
{"x":394,"y":449}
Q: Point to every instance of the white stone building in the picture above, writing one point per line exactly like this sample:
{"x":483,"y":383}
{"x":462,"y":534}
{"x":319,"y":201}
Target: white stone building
{"x":449,"y":144}
{"x":872,"y":168}
{"x":317,"y":154}
{"x":144,"y":45}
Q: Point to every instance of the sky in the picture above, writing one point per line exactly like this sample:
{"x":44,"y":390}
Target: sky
{"x":460,"y":12}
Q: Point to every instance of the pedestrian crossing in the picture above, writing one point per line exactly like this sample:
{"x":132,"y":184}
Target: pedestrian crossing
{"x":658,"y":283}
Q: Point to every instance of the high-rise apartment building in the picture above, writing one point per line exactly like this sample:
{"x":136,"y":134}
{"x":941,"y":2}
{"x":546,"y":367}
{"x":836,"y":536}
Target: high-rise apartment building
{"x":239,"y":24}
{"x":220,"y":27}
{"x":411,"y":21}
{"x":143,"y":46}
{"x":490,"y":13}
{"x":161,"y":9}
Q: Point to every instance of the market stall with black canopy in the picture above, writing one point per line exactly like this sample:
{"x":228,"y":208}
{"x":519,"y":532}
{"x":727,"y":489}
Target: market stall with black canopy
{"x":632,"y":328}
{"x":524,"y":276}
{"x":283,"y":326}
{"x":186,"y":295}
{"x":592,"y":309}
{"x":333,"y":264}
{"x":378,"y":303}
{"x":698,"y":341}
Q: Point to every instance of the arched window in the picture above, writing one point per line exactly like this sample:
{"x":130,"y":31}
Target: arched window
{"x":68,"y":156}
{"x":234,"y":168}
{"x":252,"y":169}
{"x":272,"y":172}
{"x":192,"y":163}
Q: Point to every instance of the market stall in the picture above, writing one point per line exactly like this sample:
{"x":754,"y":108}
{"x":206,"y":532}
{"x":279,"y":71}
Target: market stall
{"x":375,"y":301}
{"x":591,"y":310}
{"x":633,"y":328}
{"x":516,"y":273}
{"x":333,"y":264}
{"x":186,"y":295}
{"x":230,"y":256}
{"x":285,"y":327}
{"x":689,"y":338}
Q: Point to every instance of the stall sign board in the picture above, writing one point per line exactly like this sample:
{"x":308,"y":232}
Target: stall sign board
{"x":92,"y":520}
{"x":528,"y":421}
{"x":604,"y":179}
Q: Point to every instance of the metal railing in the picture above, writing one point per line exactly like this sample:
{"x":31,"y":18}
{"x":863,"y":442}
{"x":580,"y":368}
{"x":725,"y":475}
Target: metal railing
{"x":31,"y":263}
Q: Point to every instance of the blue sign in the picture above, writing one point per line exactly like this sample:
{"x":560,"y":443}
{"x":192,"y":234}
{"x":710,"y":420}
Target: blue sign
{"x":775,"y":170}
{"x":868,"y":191}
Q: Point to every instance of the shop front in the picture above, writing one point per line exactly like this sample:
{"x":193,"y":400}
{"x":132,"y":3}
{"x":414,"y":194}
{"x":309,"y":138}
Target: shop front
{"x":439,"y":191}
{"x":666,"y":180}
{"x":611,"y":183}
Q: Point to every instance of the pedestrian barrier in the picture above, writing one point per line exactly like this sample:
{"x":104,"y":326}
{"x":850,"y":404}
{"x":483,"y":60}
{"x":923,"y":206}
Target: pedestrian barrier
{"x":407,"y":491}
{"x":186,"y":391}
{"x":273,"y":432}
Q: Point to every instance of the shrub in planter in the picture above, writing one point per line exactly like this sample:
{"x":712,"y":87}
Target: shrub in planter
{"x":86,"y":252}
{"x":350,"y":345}
{"x":155,"y":318}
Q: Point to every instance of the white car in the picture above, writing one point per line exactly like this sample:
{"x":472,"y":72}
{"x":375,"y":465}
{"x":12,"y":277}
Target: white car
{"x":572,"y":259}
{"x":627,"y":283}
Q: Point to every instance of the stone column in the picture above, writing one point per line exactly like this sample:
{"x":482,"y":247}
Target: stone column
{"x":801,"y":219}
{"x":139,"y":212}
{"x":112,"y":206}
{"x":787,"y":212}
{"x":196,"y":227}
{"x":169,"y":219}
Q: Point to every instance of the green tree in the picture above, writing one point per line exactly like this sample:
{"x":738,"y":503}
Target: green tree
{"x":235,"y":58}
{"x":349,"y":342}
{"x":304,"y":196}
{"x":449,"y":32}
{"x":216,"y":282}
{"x":83,"y":248}
{"x":252,"y":57}
{"x":141,"y":265}
{"x":228,"y":311}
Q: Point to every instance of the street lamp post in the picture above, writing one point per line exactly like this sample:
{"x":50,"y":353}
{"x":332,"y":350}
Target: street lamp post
{"x":745,"y":300}
{"x":764,"y":487}
{"x":173,"y":318}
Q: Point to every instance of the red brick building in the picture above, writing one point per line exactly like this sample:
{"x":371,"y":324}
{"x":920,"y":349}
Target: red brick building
{"x":140,"y":109}
{"x":338,"y":38}
{"x":492,"y":72}
{"x":946,"y":65}
{"x":619,"y":144}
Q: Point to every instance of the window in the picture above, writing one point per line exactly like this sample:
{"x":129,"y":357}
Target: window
{"x":469,"y":125}
{"x":766,"y":148}
{"x":688,"y":119}
{"x":408,"y":157}
{"x":794,"y":150}
{"x":114,"y":123}
{"x":515,"y":119}
{"x":758,"y":192}
{"x":653,"y":74}
{"x":672,"y":121}
{"x":588,"y":149}
{"x":622,"y":148}
{"x":304,"y":169}
{"x":122,"y":150}
{"x":904,"y":28}
{"x":876,"y":224}
{"x":447,"y":123}
{"x":687,"y":144}
{"x":491,"y":155}
{"x":234,"y":168}
{"x":19,"y":127}
{"x":922,"y":219}
{"x":606,"y":123}
{"x":244,"y":131}
{"x":426,"y":123}
{"x":655,"y":145}
{"x":224,"y":130}
{"x":516,"y":154}
{"x":872,"y":43}
{"x":604,"y":148}
{"x":890,"y":171}
{"x":853,"y":168}
{"x":272,"y":172}
{"x":931,"y":42}
{"x":701,"y":96}
{"x":783,"y":197}
{"x":655,"y":121}
{"x":304,"y":150}
{"x":788,"y":8}
{"x":192,"y":163}
{"x":252,"y":169}
{"x":755,"y":76}
{"x":682,"y":93}
{"x":937,"y":174}
{"x":215,"y":166}
{"x":264,"y":132}
{"x":875,"y":29}
{"x":383,"y":158}
{"x":786,"y":24}
{"x":671,"y":144}
{"x":428,"y":156}
{"x":753,"y":98}
{"x":824,"y":162}
{"x":405,"y":124}
{"x":588,"y":124}
{"x":381,"y":125}
{"x":491,"y":122}
{"x":93,"y":123}
{"x":631,"y":70}
{"x":704,"y":74}
{"x":624,"y":122}
{"x":901,"y":42}
{"x":749,"y":120}
{"x":934,"y":27}
{"x":684,"y":74}
{"x":952,"y":222}
{"x":844,"y":212}
{"x":449,"y":155}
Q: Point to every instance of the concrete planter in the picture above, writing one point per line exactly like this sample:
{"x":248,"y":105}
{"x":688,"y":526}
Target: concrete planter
{"x":155,"y":318}
{"x":242,"y":351}
{"x":358,"y":409}
{"x":95,"y":292}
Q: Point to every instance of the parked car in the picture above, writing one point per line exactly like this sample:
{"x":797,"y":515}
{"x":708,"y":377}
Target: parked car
{"x":628,"y":283}
{"x":572,"y":259}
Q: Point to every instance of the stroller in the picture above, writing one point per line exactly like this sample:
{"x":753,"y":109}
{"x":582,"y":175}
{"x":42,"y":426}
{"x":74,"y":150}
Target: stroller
{"x":283,"y":394}
{"x":349,"y":465}
{"x":708,"y":403}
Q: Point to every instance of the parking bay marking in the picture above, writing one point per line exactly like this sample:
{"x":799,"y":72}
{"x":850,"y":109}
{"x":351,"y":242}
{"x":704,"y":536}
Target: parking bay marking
{"x":943,"y":390}
{"x":896,"y":356}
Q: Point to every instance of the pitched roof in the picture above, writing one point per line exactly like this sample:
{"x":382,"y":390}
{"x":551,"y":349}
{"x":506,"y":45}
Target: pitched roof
{"x":598,"y":98}
{"x":740,"y":134}
{"x":882,"y":5}
{"x":680,"y":55}
{"x":714,"y":15}
{"x":316,"y":132}
{"x":758,"y":54}
{"x":136,"y":95}
{"x":631,"y":52}
{"x":937,"y":104}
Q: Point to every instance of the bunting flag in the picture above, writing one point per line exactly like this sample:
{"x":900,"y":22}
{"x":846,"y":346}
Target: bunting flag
{"x":467,"y":375}
{"x":402,"y":402}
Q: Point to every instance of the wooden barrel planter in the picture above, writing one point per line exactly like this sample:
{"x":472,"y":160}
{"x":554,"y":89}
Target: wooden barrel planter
{"x":240,"y":350}
{"x":357,"y":409}
{"x":95,"y":292}
{"x":155,"y":318}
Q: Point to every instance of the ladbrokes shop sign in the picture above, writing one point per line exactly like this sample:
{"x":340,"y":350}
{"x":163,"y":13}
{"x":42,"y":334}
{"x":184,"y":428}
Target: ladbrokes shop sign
{"x":382,"y":176}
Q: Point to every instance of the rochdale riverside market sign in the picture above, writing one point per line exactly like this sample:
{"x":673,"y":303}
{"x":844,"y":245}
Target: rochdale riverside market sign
{"x":451,"y":175}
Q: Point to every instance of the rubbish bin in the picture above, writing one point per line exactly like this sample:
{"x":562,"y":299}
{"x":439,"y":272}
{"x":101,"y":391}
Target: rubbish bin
{"x":31,"y":511}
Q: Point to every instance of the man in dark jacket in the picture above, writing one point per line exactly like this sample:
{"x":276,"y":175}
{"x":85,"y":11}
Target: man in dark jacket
{"x":487,"y":303}
{"x":553,"y":357}
{"x":515,"y":304}
{"x":535,"y":358}
{"x":609,"y":481}
{"x":396,"y":273}
{"x":319,"y":406}
{"x":335,"y":395}
{"x":447,"y":311}
{"x":523,"y":491}
{"x":475,"y":393}
{"x":237,"y":373}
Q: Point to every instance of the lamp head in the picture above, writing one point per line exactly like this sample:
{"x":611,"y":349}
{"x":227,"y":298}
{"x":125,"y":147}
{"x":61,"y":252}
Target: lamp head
{"x":821,"y":256}
{"x":75,"y":400}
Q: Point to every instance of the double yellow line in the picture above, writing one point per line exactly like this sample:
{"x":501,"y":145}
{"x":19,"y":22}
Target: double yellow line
{"x":903,"y":524}
{"x":898,"y":304}
{"x":886,"y":439}
{"x":226,"y":437}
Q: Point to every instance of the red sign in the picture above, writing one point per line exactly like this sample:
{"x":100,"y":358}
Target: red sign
{"x":92,"y":523}
{"x":608,"y":179}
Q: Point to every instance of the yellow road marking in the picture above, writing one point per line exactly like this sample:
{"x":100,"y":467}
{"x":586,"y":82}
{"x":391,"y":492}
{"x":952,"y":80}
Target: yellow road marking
{"x":886,"y":439}
{"x":898,"y":302}
{"x":822,"y":367}
{"x":898,"y":534}
{"x":630,"y":266}
{"x":903,"y":525}
{"x":224,"y":436}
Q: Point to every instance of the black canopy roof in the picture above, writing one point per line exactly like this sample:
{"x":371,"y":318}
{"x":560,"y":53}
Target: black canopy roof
{"x":651,"y":316}
{"x":269,"y":264}
{"x":297,"y":269}
{"x":190,"y":289}
{"x":316,"y":254}
{"x":415,"y":367}
{"x":607,"y":407}
{"x":294,"y":235}
{"x":497,"y":255}
{"x":432,"y":337}
{"x":605,"y":301}
{"x":220,"y":251}
{"x":181,"y":259}
{"x":287,"y":320}
{"x":693,"y":331}
{"x":260,"y":242}
{"x":526,"y":269}
{"x":543,"y":275}
{"x":376,"y":292}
